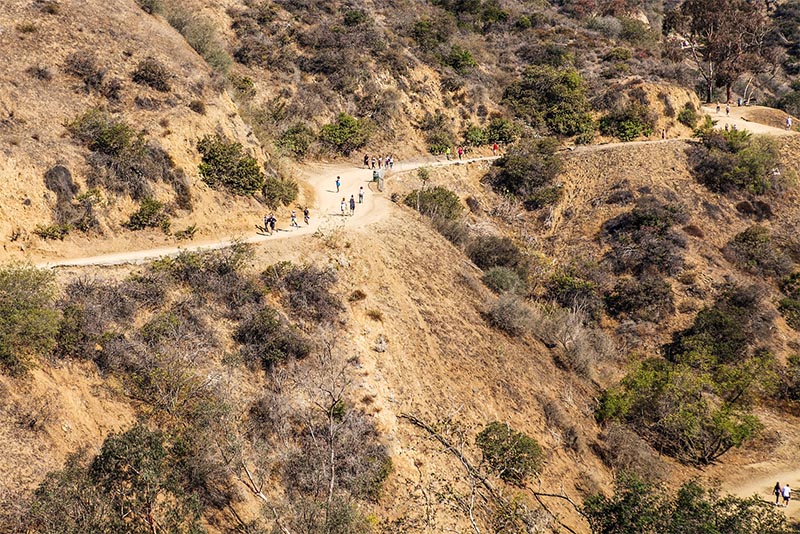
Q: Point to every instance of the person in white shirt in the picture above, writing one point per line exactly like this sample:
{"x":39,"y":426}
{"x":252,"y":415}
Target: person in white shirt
{"x":787,"y":493}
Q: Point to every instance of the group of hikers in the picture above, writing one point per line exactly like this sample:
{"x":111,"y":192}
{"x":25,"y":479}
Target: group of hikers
{"x":785,"y":492}
{"x":462,"y":150}
{"x":381,"y":161}
{"x":352,"y":203}
{"x":270,"y":220}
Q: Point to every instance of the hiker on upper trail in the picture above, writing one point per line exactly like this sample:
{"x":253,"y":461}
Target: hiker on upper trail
{"x":373,"y":162}
{"x":338,"y":183}
{"x":787,"y":493}
{"x":717,"y":108}
{"x":361,"y":195}
{"x":777,"y":492}
{"x":343,"y":205}
{"x":728,"y":109}
{"x":390,"y":161}
{"x":352,"y":205}
{"x":788,"y":123}
{"x":366,"y":160}
{"x":460,"y":152}
{"x":294,"y":220}
{"x":447,"y":153}
{"x":495,"y":148}
{"x":305,"y":216}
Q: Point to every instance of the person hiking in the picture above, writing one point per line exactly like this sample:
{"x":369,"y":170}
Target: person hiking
{"x":266,"y":223}
{"x":788,"y":123}
{"x":366,"y":160}
{"x":380,"y":162}
{"x":777,"y":492}
{"x":447,"y":153}
{"x":787,"y":494}
{"x":728,"y":109}
{"x":338,"y":183}
{"x":391,"y":162}
{"x":361,"y":195}
{"x":460,"y":152}
{"x":271,"y":220}
{"x":305,"y":216}
{"x":373,"y":162}
{"x":294,"y":219}
{"x":495,"y":148}
{"x":717,"y":108}
{"x":343,"y":205}
{"x":352,"y":205}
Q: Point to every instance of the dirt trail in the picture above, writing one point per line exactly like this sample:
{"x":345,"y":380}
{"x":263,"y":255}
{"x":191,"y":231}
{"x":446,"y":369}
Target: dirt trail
{"x":326,"y":214}
{"x":750,"y":118}
{"x":759,"y":479}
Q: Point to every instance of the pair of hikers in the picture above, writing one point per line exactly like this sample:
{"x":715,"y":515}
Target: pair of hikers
{"x":352,"y":204}
{"x":785,"y":492}
{"x":270,"y":220}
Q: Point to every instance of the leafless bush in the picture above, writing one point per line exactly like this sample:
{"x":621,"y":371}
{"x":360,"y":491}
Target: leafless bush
{"x":308,"y":291}
{"x":83,"y":65}
{"x":625,"y":450}
{"x":557,"y":417}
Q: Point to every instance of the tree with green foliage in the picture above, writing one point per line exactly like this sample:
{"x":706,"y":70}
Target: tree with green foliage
{"x":736,"y":160}
{"x":552,"y":99}
{"x":512,"y":455}
{"x":527,"y":168}
{"x":345,"y":134}
{"x":632,"y":121}
{"x":226,"y":165}
{"x":28,"y":318}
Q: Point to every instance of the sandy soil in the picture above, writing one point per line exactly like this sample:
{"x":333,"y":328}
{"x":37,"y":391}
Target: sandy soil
{"x":755,"y":119}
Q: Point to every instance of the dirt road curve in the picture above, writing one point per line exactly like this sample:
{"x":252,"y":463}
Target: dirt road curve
{"x":326,"y":213}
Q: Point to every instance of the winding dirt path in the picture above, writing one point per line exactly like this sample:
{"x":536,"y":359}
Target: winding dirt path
{"x":326,"y":213}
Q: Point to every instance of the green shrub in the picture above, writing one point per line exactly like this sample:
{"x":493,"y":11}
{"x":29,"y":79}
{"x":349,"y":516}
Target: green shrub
{"x":648,"y":298}
{"x":736,"y":161}
{"x":512,"y":455}
{"x":688,"y":116}
{"x":637,"y":506}
{"x":435,"y":202}
{"x":429,"y":34}
{"x":438,"y":134}
{"x":268,"y":339}
{"x":53,"y":231}
{"x":528,"y":170}
{"x":753,"y":251}
{"x":790,"y":309}
{"x":102,"y":133}
{"x":354,"y":17}
{"x":502,"y":130}
{"x":634,"y":120}
{"x":543,"y":197}
{"x":637,"y":32}
{"x":618,"y":54}
{"x":279,"y":191}
{"x":151,"y":214}
{"x":28,"y":319}
{"x":495,"y":251}
{"x":345,"y":134}
{"x":296,"y":140}
{"x":460,"y":60}
{"x":503,"y":279}
{"x":152,"y":73}
{"x":551,"y":98}
{"x":475,"y":136}
{"x":644,"y":238}
{"x":226,"y":165}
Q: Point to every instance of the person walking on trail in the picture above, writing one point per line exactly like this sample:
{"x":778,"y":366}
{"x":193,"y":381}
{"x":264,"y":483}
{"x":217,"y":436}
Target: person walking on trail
{"x":338,"y":183}
{"x":269,"y":223}
{"x":366,"y":160}
{"x":373,"y":162}
{"x":361,"y":195}
{"x":391,"y":162}
{"x":305,"y":216}
{"x":788,"y":123}
{"x":728,"y":109}
{"x":343,"y":205}
{"x":717,"y":108}
{"x":447,"y":153}
{"x":266,"y":223}
{"x":777,"y":492}
{"x":787,"y":494}
{"x":294,"y":219}
{"x":460,"y":152}
{"x":495,"y":148}
{"x":352,"y":205}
